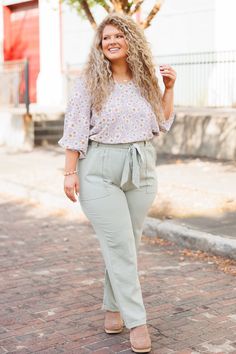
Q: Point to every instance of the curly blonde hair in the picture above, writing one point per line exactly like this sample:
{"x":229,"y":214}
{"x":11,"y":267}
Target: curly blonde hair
{"x":98,"y":71}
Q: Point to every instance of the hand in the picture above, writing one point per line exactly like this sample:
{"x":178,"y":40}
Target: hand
{"x":71,"y":186}
{"x":168,"y":75}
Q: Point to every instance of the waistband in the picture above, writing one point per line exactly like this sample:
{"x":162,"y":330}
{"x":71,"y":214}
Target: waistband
{"x":118,"y":145}
{"x":133,"y":160}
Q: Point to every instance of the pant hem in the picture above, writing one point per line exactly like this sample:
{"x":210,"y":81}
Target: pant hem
{"x":136,"y":323}
{"x":108,"y":308}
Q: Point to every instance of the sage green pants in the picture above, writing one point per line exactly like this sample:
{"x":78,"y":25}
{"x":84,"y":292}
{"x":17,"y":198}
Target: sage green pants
{"x":118,"y":184}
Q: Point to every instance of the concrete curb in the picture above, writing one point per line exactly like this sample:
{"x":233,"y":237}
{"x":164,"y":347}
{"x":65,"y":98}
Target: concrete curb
{"x":190,"y":238}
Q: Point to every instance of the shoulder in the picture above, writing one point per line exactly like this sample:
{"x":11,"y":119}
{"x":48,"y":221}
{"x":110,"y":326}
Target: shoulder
{"x":80,"y":85}
{"x":80,"y":81}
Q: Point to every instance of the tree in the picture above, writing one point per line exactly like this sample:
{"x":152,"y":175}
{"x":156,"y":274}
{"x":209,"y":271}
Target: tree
{"x":130,"y":7}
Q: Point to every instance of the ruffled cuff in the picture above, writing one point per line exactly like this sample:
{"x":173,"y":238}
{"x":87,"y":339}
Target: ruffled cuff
{"x":74,"y":147}
{"x":165,"y":126}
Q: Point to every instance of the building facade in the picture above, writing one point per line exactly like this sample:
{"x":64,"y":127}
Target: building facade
{"x":54,"y":39}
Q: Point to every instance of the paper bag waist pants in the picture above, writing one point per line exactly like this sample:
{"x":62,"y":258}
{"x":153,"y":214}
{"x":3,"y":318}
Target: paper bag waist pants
{"x":118,"y":184}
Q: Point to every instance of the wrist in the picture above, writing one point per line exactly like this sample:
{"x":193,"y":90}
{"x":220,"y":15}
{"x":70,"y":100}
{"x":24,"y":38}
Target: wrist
{"x":169,"y":89}
{"x":69,"y":173}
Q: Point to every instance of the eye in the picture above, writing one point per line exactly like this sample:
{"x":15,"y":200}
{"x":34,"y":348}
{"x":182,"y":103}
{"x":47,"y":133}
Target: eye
{"x":120,"y":36}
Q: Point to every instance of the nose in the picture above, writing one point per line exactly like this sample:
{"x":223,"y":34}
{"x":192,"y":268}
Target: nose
{"x":112,"y":40}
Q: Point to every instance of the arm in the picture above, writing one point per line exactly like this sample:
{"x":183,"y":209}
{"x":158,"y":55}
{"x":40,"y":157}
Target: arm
{"x":71,"y":158}
{"x":77,"y":120}
{"x":168,"y":102}
{"x":71,"y":182}
{"x":75,"y":135}
{"x":169,"y":77}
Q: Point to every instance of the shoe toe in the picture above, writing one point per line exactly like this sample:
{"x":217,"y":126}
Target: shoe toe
{"x":113,"y":324}
{"x":140,"y":341}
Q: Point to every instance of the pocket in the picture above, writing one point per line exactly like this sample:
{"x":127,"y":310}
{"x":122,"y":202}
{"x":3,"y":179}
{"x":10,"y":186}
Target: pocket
{"x":151,"y":176}
{"x":91,"y":176}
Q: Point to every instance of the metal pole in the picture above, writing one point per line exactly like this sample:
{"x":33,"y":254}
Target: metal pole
{"x":28,"y":121}
{"x":27,"y":99}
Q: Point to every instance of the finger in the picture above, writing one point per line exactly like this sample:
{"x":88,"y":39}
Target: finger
{"x":71,"y":197}
{"x":68,"y":190}
{"x":169,"y":75}
{"x":70,"y":194}
{"x":169,"y":67}
{"x":168,"y":70}
{"x":165,"y":66}
{"x":172,"y":71}
{"x":77,"y":188}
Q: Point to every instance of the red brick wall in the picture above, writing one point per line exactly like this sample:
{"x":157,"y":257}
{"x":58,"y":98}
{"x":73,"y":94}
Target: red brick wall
{"x":21,"y":38}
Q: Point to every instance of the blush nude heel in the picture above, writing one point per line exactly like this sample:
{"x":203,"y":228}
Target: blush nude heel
{"x":113,"y":322}
{"x":140,"y":339}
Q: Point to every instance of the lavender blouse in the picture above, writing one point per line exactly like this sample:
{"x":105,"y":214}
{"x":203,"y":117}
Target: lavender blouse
{"x":125,"y":117}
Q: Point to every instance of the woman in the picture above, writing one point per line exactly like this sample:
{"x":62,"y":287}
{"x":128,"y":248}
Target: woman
{"x":114,"y":113}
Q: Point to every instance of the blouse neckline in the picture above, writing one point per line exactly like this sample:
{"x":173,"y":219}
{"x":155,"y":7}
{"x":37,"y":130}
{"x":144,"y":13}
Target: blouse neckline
{"x":123,"y":83}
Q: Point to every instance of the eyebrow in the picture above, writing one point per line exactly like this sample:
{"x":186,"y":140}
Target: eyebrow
{"x":108,"y":35}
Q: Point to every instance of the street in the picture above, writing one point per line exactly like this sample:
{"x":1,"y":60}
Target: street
{"x":52,"y":287}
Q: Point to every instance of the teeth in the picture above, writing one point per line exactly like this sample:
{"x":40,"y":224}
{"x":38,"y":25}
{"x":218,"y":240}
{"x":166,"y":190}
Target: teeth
{"x":114,"y":50}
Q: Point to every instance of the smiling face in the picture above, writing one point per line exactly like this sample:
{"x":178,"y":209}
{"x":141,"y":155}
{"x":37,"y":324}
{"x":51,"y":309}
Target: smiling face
{"x":114,"y":45}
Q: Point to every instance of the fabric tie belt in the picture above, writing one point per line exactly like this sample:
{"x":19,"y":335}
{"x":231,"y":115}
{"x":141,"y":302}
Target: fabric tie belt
{"x":133,"y":160}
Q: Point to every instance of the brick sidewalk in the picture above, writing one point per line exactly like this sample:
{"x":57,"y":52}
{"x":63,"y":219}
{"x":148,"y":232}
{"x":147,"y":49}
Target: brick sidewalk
{"x":52,"y":285}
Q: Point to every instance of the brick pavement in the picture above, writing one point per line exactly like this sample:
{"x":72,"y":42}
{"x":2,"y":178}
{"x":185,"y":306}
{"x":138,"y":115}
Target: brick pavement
{"x":51,"y":280}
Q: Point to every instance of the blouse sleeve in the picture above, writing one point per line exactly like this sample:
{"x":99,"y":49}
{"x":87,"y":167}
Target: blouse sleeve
{"x":165,"y":126}
{"x":77,"y":120}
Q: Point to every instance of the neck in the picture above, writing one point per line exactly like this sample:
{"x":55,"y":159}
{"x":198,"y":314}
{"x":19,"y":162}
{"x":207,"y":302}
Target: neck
{"x":121,"y":71}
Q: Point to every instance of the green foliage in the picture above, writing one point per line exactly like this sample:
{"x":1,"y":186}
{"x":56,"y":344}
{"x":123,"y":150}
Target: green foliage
{"x":84,"y":8}
{"x":77,"y":5}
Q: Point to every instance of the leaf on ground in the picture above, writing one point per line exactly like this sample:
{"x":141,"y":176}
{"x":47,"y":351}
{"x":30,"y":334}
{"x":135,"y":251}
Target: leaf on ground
{"x":157,"y":241}
{"x":226,"y":265}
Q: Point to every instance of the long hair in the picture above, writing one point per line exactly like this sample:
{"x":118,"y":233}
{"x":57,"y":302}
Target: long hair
{"x":98,"y":71}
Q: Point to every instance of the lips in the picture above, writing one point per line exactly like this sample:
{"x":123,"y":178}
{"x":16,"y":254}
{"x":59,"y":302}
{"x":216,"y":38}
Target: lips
{"x":114,"y":50}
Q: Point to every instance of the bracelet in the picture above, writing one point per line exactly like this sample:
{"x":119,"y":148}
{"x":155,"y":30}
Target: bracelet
{"x":70,"y":173}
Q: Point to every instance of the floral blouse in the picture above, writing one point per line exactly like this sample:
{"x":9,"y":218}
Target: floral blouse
{"x":125,"y":117}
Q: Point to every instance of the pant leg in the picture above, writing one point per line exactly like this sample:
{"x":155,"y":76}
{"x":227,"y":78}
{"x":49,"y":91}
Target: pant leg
{"x":139,"y":201}
{"x":111,"y":221}
{"x":109,"y":301}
